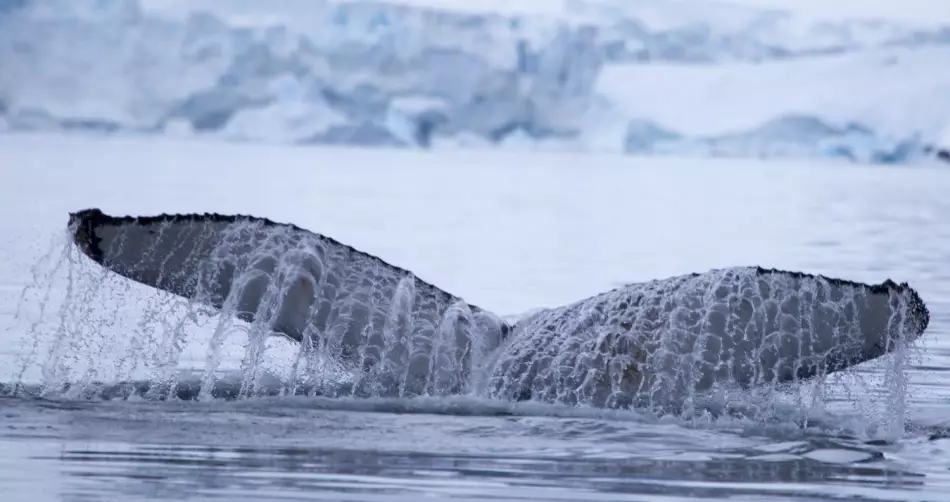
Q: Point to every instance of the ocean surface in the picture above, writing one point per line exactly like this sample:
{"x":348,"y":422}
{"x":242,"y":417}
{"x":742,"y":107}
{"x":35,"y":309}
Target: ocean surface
{"x":508,"y":231}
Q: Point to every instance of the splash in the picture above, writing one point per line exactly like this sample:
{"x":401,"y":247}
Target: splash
{"x":79,"y":325}
{"x":355,"y":318}
{"x":729,"y":342}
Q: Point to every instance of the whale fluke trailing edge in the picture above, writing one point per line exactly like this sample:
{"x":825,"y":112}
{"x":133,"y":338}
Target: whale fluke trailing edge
{"x":641,"y":344}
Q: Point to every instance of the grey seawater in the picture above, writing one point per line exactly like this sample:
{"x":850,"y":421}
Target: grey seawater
{"x":875,"y":433}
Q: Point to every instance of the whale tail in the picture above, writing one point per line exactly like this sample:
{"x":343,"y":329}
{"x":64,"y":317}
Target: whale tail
{"x":664,"y":339}
{"x":210,"y":258}
{"x":658,"y":343}
{"x":299,"y":283}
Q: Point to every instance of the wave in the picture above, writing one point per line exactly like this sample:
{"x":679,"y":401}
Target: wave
{"x":782,"y":416}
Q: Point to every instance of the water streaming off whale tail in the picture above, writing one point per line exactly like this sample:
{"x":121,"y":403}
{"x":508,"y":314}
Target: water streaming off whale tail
{"x":359,"y":323}
{"x":363,"y":327}
{"x":676,"y":343}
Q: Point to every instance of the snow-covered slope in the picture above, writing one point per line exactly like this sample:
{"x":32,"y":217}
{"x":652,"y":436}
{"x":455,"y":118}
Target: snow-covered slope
{"x":608,"y":75}
{"x":879,"y":105}
{"x":708,"y":31}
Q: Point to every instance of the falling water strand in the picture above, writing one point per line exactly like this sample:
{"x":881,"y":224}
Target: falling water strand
{"x":39,"y":278}
{"x":896,"y":373}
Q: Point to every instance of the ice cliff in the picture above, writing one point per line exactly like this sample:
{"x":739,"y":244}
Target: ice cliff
{"x":638,"y":77}
{"x":364,"y":73}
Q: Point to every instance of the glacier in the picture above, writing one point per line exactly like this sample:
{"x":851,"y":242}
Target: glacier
{"x":333,"y":75}
{"x":647,"y":77}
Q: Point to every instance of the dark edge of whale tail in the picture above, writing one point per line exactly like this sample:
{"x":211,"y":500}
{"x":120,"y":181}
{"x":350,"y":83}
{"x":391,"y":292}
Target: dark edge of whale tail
{"x":83,"y":222}
{"x":916,"y":305}
{"x":95,"y":217}
{"x":82,"y":226}
{"x":918,"y":308}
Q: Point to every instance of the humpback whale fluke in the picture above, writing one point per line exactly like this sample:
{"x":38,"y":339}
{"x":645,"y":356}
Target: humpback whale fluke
{"x":657,"y":342}
{"x":641,"y":344}
{"x":375,"y":316}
